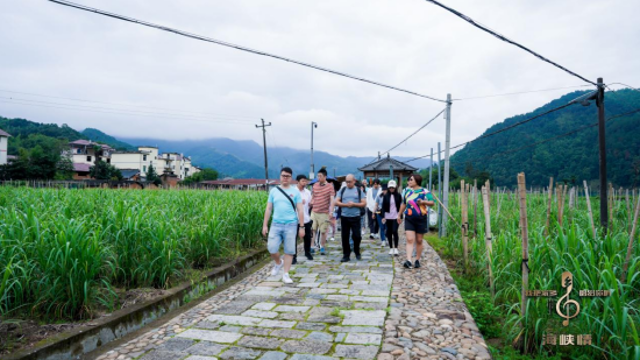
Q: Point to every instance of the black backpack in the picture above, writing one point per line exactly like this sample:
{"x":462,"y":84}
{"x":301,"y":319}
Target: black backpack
{"x":362,"y":211}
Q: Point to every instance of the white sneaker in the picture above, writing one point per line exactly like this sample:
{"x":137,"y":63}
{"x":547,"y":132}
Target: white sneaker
{"x":332,"y":239}
{"x":286,"y":279}
{"x":391,"y":252}
{"x":396,"y":251}
{"x":383,"y":244}
{"x":276,"y":268}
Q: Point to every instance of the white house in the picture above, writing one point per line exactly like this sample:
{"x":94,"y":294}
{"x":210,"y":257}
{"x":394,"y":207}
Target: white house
{"x":84,"y":152}
{"x":4,"y":143}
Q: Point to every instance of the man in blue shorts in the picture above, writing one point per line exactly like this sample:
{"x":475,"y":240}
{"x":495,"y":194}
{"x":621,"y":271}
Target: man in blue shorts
{"x":288,"y":222}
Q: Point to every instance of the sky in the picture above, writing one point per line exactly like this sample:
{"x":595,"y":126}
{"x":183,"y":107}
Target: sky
{"x":65,"y":66}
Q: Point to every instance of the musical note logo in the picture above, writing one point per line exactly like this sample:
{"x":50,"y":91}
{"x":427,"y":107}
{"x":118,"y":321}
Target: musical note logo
{"x":567,"y":282}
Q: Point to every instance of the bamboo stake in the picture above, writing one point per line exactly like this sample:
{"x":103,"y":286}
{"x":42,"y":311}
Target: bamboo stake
{"x":628,"y":211}
{"x":611,"y":195}
{"x":499,"y":202}
{"x":487,"y":235}
{"x":487,"y":185}
{"x":475,"y":208}
{"x":559,"y":204}
{"x":586,"y":192}
{"x":465,"y":222}
{"x":522,"y":190}
{"x":623,"y":278}
{"x":546,"y":226}
{"x":564,"y":196}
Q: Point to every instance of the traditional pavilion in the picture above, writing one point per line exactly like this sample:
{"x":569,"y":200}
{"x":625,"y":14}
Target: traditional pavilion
{"x":388,"y":168}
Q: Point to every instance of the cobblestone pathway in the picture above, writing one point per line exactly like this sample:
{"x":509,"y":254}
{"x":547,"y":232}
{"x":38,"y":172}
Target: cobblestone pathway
{"x":332,"y":310}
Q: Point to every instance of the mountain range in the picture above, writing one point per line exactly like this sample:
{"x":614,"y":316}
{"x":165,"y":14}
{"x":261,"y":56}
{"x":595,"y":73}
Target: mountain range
{"x":562,"y":144}
{"x":245,"y":158}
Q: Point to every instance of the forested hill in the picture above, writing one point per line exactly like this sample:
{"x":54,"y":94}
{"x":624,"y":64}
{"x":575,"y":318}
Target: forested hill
{"x":570,"y":158}
{"x":27,"y":135}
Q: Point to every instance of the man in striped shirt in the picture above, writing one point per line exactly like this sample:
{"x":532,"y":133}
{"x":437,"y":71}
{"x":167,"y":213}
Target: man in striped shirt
{"x":322,"y":203}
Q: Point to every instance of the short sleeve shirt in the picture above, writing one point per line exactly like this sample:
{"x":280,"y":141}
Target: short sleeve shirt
{"x":306,"y":198}
{"x":410,"y":199}
{"x":322,"y":195}
{"x":350,"y":195}
{"x":283,"y":212}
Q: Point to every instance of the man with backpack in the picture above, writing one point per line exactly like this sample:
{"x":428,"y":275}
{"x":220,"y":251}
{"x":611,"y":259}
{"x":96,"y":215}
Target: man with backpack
{"x":288,"y":222}
{"x":352,"y":203}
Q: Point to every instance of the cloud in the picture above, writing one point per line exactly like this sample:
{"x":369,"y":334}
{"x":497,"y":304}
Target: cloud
{"x":196,"y":90}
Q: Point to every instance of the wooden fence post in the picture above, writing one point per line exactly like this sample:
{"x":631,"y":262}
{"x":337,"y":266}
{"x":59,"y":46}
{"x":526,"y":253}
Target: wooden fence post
{"x":623,"y":278}
{"x":586,"y":192}
{"x":628,"y":211}
{"x":487,"y":236}
{"x":550,"y":198}
{"x":559,"y":204}
{"x":522,"y":190}
{"x":475,"y":208}
{"x":465,"y":222}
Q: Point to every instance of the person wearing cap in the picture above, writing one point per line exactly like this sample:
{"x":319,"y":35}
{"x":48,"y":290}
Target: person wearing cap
{"x":380,"y":215}
{"x":391,"y":203}
{"x":416,"y":201}
{"x":306,"y":199}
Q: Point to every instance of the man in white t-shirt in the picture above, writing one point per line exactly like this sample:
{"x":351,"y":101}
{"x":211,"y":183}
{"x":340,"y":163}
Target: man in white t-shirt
{"x":306,"y":199}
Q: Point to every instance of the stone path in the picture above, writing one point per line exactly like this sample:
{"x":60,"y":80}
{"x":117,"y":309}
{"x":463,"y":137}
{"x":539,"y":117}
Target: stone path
{"x":333,"y":310}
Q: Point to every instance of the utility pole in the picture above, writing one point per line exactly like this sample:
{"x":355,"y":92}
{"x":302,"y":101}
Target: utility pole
{"x":604,"y":218}
{"x":312,"y":172}
{"x":440,"y":211}
{"x":264,"y":143}
{"x":430,"y":171}
{"x":447,"y":144}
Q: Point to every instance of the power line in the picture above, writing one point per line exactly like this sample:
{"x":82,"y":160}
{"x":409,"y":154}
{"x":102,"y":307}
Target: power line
{"x":415,"y":132}
{"x":507,"y":40}
{"x":237,"y":47}
{"x":518,"y":93}
{"x":572,"y":102}
{"x":548,"y":139}
{"x":35,"y":103}
{"x":127,"y":105}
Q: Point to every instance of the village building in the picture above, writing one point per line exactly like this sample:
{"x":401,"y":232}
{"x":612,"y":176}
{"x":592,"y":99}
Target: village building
{"x":4,"y":144}
{"x":388,"y":168}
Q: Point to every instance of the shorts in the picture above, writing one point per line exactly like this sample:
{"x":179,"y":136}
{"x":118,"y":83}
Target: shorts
{"x":416,"y":224}
{"x":282,"y":233}
{"x":320,"y":220}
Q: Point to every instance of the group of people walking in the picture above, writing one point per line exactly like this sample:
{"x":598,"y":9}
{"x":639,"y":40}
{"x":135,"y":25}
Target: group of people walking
{"x":298,"y":212}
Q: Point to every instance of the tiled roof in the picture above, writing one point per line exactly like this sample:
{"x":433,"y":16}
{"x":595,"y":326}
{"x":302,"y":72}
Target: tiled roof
{"x":4,"y":133}
{"x":129,"y":173}
{"x":385,"y":163}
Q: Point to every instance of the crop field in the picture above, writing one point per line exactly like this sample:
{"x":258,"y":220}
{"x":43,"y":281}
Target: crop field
{"x":63,"y":252}
{"x":596,"y":264}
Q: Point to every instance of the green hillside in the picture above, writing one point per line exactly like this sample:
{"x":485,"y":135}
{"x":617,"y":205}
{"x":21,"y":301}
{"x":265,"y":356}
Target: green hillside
{"x":98,"y":136}
{"x":571,"y":158}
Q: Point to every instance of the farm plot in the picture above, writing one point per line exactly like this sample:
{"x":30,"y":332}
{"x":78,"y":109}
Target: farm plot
{"x":65,"y":253}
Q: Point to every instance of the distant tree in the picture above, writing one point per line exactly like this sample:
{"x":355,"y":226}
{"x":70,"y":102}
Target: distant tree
{"x":64,"y":170}
{"x":153,"y":176}
{"x":103,"y":171}
{"x":202,"y":175}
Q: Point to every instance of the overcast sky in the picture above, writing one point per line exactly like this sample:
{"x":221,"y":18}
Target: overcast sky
{"x":144,"y":81}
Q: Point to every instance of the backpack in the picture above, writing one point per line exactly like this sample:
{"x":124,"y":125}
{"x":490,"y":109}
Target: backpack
{"x":362,"y":211}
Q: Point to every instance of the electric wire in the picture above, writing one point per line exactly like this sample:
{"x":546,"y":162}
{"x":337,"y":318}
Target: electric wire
{"x":415,"y":132}
{"x":507,"y":40}
{"x":237,"y":47}
{"x":128,"y":105}
{"x":545,"y":140}
{"x":517,"y":93}
{"x":519,"y":123}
